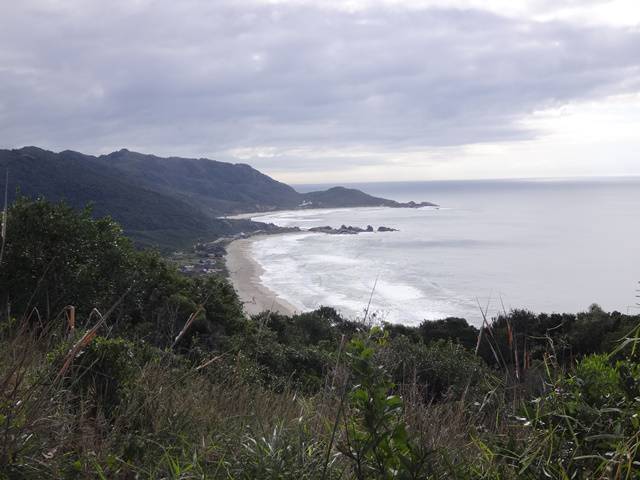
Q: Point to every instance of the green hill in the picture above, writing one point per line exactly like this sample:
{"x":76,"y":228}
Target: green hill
{"x":337,"y":197}
{"x":149,"y":216}
{"x":167,"y":202}
{"x":219,"y":188}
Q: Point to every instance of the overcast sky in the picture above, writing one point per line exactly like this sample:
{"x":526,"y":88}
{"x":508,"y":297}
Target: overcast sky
{"x":331,"y":91}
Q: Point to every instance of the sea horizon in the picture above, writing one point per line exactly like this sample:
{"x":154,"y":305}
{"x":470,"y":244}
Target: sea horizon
{"x":402,"y":192}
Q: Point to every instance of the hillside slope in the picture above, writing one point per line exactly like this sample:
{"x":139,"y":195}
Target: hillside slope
{"x":167,"y":202}
{"x":149,"y":217}
{"x":220,"y":188}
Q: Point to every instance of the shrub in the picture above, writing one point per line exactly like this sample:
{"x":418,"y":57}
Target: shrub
{"x":441,"y":369}
{"x":103,"y":370}
{"x":451,"y":328}
{"x":55,"y":256}
{"x":585,"y":426}
{"x":376,"y":437}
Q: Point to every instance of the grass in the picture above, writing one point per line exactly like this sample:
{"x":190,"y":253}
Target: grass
{"x":170,"y":419}
{"x":174,"y":419}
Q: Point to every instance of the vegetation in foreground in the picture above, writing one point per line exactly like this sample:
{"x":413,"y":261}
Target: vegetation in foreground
{"x":112,"y":365}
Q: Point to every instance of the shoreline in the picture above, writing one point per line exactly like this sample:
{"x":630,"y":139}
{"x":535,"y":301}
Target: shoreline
{"x":251,"y":215}
{"x":244,"y":274}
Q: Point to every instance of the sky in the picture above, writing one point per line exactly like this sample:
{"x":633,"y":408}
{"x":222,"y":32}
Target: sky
{"x":331,"y":91}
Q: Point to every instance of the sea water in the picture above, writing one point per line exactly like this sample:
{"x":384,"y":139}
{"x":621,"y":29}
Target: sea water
{"x":542,"y":245}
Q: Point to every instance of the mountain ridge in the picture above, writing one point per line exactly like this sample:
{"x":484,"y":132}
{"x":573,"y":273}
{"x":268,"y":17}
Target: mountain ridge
{"x":166,"y":201}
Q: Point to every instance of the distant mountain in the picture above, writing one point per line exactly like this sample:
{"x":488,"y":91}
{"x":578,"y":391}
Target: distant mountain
{"x":219,"y":188}
{"x":337,"y":197}
{"x":168,"y":202}
{"x":150,"y":217}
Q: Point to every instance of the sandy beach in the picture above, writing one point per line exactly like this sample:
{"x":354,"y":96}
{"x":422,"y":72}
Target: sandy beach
{"x":245,"y":273}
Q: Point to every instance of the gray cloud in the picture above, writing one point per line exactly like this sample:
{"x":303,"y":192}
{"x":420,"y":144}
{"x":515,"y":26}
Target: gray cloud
{"x":207,"y":78}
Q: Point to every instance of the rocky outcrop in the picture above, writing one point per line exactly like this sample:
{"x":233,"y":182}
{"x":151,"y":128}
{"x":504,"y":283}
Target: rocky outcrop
{"x":349,"y":230}
{"x":413,"y":204}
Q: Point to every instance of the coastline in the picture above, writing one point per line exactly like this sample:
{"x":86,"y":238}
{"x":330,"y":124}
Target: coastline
{"x":244,"y":274}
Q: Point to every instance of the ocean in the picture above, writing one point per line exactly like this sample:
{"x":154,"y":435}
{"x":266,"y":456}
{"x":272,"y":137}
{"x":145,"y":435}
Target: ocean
{"x":543,"y":245}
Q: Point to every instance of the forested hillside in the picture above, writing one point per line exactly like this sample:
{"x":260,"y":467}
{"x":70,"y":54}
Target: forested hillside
{"x":149,"y":216}
{"x":217,"y":187}
{"x":166,"y":202}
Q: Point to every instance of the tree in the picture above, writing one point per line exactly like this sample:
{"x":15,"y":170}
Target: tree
{"x":55,"y":256}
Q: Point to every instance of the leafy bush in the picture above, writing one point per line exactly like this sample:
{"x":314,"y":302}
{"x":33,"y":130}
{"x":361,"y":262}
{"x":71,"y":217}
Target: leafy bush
{"x":440,"y":369}
{"x":376,"y":437}
{"x":585,"y":426}
{"x":103,"y":370}
{"x":595,"y":380}
{"x":272,"y":363}
{"x":451,"y":328}
{"x":55,"y":256}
